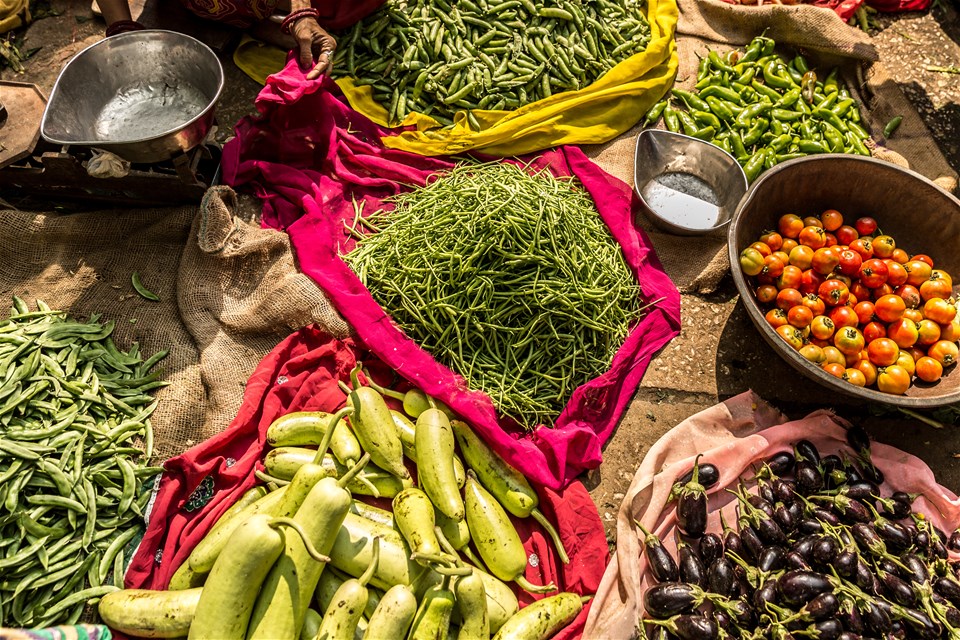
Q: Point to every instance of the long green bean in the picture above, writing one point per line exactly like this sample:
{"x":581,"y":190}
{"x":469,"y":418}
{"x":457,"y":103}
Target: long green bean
{"x":510,"y":279}
{"x":70,"y":436}
{"x":439,"y":58}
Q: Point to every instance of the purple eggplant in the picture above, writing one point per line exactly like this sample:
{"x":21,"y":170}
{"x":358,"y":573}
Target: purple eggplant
{"x":658,"y":633}
{"x":862,"y":490}
{"x":692,"y":505}
{"x":826,"y":605}
{"x":804,"y":546}
{"x":866,"y":536}
{"x":766,"y":594}
{"x":804,"y":450}
{"x":671,"y":598}
{"x":721,"y":577}
{"x":692,"y":570}
{"x":876,"y":619}
{"x":711,"y":548}
{"x":846,"y":563}
{"x":781,"y":464}
{"x":752,"y":545}
{"x":785,"y":518}
{"x":949,"y":588}
{"x":954,"y":542}
{"x":707,"y":474}
{"x":799,"y":587}
{"x":915,"y":569}
{"x":691,"y":627}
{"x":793,"y":560}
{"x":852,"y":620}
{"x":827,"y":517}
{"x":808,"y":526}
{"x":829,"y":629}
{"x":866,"y":579}
{"x":731,"y":539}
{"x":849,"y":635}
{"x":896,"y":589}
{"x":897,"y":506}
{"x":784,"y":490}
{"x":858,"y":440}
{"x":825,"y":550}
{"x":771,"y":558}
{"x":662,"y":564}
{"x":920,"y":623}
{"x":809,"y":478}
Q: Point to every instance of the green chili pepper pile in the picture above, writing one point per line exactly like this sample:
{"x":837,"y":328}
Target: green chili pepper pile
{"x":438,"y":57}
{"x":72,"y":409}
{"x":510,"y":279}
{"x":764,"y":110}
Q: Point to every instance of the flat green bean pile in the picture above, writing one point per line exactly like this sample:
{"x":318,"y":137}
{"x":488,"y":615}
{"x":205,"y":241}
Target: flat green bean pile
{"x":765,"y":110}
{"x":510,"y":279}
{"x":73,"y":407}
{"x":438,"y":57}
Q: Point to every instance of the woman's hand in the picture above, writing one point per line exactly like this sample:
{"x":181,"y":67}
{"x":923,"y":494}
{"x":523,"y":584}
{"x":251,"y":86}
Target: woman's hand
{"x":316,"y":47}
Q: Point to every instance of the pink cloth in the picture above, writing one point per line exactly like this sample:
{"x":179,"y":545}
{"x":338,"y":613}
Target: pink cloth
{"x":309,"y":155}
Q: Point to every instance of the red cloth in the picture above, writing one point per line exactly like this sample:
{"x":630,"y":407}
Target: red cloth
{"x":301,"y":374}
{"x":310,"y":155}
{"x":897,"y":6}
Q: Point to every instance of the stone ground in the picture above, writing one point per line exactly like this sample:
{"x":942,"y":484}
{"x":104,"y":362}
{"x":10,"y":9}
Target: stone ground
{"x":718,"y":353}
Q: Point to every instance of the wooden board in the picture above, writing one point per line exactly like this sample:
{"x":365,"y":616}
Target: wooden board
{"x":19,"y":133}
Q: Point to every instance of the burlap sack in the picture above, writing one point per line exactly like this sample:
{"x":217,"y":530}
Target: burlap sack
{"x":697,"y":265}
{"x":229,"y":290}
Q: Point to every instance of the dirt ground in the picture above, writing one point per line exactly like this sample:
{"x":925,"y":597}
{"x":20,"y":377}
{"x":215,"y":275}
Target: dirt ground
{"x":718,"y":353}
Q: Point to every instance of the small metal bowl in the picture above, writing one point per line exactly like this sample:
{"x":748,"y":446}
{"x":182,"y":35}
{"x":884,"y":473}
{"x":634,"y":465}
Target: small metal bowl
{"x":143,"y":95}
{"x":922,"y":218}
{"x":671,"y":170}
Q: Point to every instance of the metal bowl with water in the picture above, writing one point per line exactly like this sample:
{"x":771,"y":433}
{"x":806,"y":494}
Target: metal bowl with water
{"x":143,"y":95}
{"x":687,"y":186}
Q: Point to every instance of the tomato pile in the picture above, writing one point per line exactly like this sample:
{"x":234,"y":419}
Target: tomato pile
{"x":848,"y":299}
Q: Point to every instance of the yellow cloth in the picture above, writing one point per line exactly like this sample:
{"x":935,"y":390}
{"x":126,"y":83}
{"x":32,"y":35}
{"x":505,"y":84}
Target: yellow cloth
{"x":10,"y":14}
{"x":594,"y":114}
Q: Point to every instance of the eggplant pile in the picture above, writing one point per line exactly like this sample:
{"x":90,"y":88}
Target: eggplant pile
{"x":815,"y":552}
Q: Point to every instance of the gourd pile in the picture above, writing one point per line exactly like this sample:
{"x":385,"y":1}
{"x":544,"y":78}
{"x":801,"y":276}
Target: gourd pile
{"x":299,"y":557}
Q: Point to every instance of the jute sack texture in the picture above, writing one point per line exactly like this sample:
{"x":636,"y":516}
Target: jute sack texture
{"x":230,"y":292}
{"x":697,"y":264}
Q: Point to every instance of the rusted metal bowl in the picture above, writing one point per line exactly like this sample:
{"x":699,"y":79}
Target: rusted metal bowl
{"x":143,"y":95}
{"x":922,"y":218}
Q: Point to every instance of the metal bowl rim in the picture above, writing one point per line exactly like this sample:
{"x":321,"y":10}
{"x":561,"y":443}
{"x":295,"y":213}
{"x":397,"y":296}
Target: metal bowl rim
{"x":688,"y":231}
{"x":793,"y":358}
{"x":106,"y":143}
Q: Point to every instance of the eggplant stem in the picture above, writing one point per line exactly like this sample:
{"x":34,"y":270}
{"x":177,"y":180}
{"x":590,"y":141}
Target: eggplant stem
{"x":922,"y":418}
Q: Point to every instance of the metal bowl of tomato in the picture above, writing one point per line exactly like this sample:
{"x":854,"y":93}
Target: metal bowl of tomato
{"x":921,"y":217}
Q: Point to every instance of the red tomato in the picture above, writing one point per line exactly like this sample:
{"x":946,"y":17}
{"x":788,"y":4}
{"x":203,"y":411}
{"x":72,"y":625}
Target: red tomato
{"x":810,"y":282}
{"x":813,"y":353}
{"x":935,"y":288}
{"x":818,"y":342}
{"x":861,"y":292}
{"x":772,"y":239}
{"x":868,"y":369}
{"x":822,"y":327}
{"x":791,"y":335}
{"x":751,"y":261}
{"x":940,"y":274}
{"x":944,"y":352}
{"x":928,"y":332}
{"x":916,"y":352}
{"x":873,"y":273}
{"x":906,"y":361}
{"x":766,"y":294}
{"x":928,"y":369}
{"x":762,"y":248}
{"x":864,"y":311}
{"x":901,"y":256}
{"x":922,"y":257}
{"x":910,"y":295}
{"x":790,"y":278}
{"x":939,"y":310}
{"x":846,"y":234}
{"x":834,"y":369}
{"x":893,"y":379}
{"x":865,"y":225}
{"x":790,"y":225}
{"x":831,"y":219}
{"x":813,"y":237}
{"x":776,"y":318}
{"x":832,"y":354}
{"x":831,"y":239}
{"x":848,"y":340}
{"x":801,"y":256}
{"x":834,"y":292}
{"x":918,"y":272}
{"x":825,"y":260}
{"x":883,"y":246}
{"x":800,"y":316}
{"x":788,"y":298}
{"x":849,"y":262}
{"x":883,"y":352}
{"x":783,"y":255}
{"x":890,"y":308}
{"x":950,"y":331}
{"x":864,"y":247}
{"x":773,"y":266}
{"x":842,"y":278}
{"x":896,"y":274}
{"x":874,"y":331}
{"x":813,"y":302}
{"x":854,"y":377}
{"x":812,"y":221}
{"x":913,"y":314}
{"x":790,"y":243}
{"x":881,"y":291}
{"x":843,"y":316}
{"x":904,"y":332}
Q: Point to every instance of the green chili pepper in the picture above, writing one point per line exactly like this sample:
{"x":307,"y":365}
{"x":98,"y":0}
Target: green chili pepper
{"x":747,"y":76}
{"x":753,"y":134}
{"x":771,"y":75}
{"x":789,"y":98}
{"x":780,"y":142}
{"x":745,"y":117}
{"x":783,"y":157}
{"x":736,"y":144}
{"x":828,"y":101}
{"x":892,"y":126}
{"x":764,"y":90}
{"x":832,"y":118}
{"x":830,"y":84}
{"x":670,"y":119}
{"x":754,"y":165}
{"x":654,"y":113}
{"x":719,"y":109}
{"x":856,"y":143}
{"x":725,"y":93}
{"x":833,"y":137}
{"x":812,"y":146}
{"x":706,"y":118}
{"x":800,"y":64}
{"x":717,"y":63}
{"x":752,"y":52}
{"x":692,"y":100}
{"x":785,"y":116}
{"x":858,"y":130}
{"x":687,"y":122}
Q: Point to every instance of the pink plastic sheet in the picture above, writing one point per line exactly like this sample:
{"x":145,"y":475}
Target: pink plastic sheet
{"x":309,"y":156}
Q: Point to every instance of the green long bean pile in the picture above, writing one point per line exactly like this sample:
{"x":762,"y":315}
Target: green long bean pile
{"x":73,"y":409}
{"x":438,"y":57}
{"x":510,"y":279}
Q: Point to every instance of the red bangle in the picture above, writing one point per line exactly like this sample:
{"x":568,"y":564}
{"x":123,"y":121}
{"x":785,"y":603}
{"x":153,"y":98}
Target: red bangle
{"x":299,"y":14}
{"x":122,"y":26}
